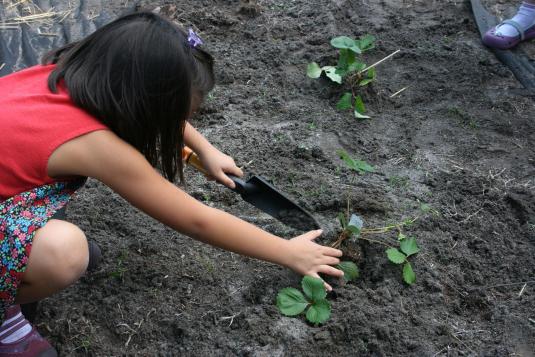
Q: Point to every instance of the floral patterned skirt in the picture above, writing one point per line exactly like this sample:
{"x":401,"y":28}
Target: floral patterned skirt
{"x":20,"y":217}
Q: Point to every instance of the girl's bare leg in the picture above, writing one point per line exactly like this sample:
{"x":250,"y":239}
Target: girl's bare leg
{"x":59,"y":256}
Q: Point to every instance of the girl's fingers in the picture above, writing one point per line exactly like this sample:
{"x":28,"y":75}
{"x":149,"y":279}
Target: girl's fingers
{"x":225,"y":180}
{"x":312,"y":234}
{"x":332,"y":252}
{"x":331,"y":260}
{"x":234,"y":170}
{"x":329,"y":270}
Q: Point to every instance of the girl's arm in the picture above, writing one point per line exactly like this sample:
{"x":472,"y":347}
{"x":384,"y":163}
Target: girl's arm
{"x":196,"y":141}
{"x":106,"y":157}
{"x":214,"y":161}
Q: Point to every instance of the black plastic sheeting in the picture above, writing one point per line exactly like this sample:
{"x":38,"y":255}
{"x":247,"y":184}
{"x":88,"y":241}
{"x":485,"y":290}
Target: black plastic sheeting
{"x":23,"y":40}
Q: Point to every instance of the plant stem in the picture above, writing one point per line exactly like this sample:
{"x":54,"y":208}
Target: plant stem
{"x":380,"y":230}
{"x":376,"y":241}
{"x":385,"y":229}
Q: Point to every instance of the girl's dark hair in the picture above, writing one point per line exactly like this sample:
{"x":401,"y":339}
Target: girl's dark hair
{"x":138,"y":75}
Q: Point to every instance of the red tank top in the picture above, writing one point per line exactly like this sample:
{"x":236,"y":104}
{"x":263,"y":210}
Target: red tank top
{"x":33,"y":123}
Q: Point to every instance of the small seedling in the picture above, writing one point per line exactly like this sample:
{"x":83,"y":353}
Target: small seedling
{"x":350,"y":71}
{"x":408,"y":247}
{"x":119,"y":272}
{"x":356,"y":165}
{"x":291,"y":302}
{"x":465,"y":119}
{"x":397,"y":253}
{"x":85,"y":344}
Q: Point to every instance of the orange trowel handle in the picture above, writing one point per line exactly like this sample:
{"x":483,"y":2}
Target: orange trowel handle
{"x":191,"y":158}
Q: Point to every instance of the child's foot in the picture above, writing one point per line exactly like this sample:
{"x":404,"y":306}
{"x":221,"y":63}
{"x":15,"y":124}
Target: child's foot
{"x":511,"y":32}
{"x":18,"y":338}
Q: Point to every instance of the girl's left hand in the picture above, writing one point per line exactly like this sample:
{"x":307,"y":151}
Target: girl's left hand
{"x":218,"y":165}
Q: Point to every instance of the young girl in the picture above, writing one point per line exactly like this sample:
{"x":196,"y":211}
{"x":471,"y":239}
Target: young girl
{"x":113,"y":107}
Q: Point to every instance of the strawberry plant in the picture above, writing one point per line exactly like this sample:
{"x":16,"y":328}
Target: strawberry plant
{"x":292,"y":302}
{"x":350,"y":71}
{"x":398,"y":252}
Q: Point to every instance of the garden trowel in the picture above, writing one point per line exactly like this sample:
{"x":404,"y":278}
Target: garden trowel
{"x":261,"y":194}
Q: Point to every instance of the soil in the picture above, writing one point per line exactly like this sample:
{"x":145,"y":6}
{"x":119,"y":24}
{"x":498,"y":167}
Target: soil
{"x":455,"y":149}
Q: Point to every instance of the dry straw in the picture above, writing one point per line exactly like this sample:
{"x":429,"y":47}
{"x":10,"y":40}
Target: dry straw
{"x":36,"y":15}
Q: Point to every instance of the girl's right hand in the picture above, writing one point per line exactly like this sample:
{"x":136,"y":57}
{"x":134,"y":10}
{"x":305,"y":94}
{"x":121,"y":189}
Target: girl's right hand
{"x":309,"y":258}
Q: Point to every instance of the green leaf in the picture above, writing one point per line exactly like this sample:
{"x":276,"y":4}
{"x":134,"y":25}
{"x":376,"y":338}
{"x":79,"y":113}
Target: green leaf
{"x":360,"y":109}
{"x":408,"y":222}
{"x":346,"y":158}
{"x":346,"y":42}
{"x":330,"y":72}
{"x":345,"y":59}
{"x":359,"y":104}
{"x":366,"y":43}
{"x":350,"y":269}
{"x":360,"y":115}
{"x":409,"y":246}
{"x":425,"y":208}
{"x":356,"y":67}
{"x":342,"y":219}
{"x":365,"y":82}
{"x":356,"y":165}
{"x":345,"y":102}
{"x":401,"y":236}
{"x":355,"y":224}
{"x":313,"y":70}
{"x":370,"y":77}
{"x":408,"y":274}
{"x":395,"y":256}
{"x":313,"y":288}
{"x":355,"y":232}
{"x":342,"y":42}
{"x":319,"y":312}
{"x":291,"y":302}
{"x":363,"y":166}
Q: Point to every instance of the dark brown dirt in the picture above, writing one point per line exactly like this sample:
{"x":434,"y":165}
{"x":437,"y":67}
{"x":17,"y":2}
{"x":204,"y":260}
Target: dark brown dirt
{"x":460,"y":139}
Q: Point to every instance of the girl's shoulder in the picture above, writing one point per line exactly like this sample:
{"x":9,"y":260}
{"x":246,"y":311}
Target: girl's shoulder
{"x":29,"y":78}
{"x":39,"y":121}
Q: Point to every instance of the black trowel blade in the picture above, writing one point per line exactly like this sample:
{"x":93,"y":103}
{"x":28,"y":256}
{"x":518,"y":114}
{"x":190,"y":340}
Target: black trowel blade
{"x":267,"y":198}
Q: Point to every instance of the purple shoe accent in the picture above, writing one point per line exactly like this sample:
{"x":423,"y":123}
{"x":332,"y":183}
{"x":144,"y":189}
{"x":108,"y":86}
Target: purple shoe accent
{"x":31,"y":345}
{"x":501,"y":42}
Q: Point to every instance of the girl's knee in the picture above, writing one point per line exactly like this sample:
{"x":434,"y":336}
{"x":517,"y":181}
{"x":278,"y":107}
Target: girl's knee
{"x":59,"y":251}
